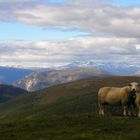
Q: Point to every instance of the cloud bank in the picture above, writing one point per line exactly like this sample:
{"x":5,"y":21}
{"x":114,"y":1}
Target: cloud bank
{"x":89,"y":16}
{"x":114,"y":32}
{"x":57,"y":53}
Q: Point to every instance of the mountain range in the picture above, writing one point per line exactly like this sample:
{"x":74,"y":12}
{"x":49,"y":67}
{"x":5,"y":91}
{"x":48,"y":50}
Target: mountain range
{"x":10,"y":74}
{"x":40,"y":80}
{"x":35,"y":79}
{"x":117,"y":68}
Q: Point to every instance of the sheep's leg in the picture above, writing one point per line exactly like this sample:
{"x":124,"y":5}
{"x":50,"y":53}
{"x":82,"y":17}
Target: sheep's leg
{"x":101,"y":110}
{"x":129,"y":111}
{"x":139,"y":111}
{"x":134,"y":110}
{"x":124,"y":110}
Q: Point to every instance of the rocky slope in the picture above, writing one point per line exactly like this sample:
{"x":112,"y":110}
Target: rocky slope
{"x":40,"y":80}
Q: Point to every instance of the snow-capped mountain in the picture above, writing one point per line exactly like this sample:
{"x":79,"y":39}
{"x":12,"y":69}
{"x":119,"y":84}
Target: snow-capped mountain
{"x":117,"y":68}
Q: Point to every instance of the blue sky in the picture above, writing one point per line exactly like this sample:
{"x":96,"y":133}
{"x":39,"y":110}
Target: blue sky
{"x":56,"y":1}
{"x":20,"y":31}
{"x":11,"y":31}
{"x":127,"y":2}
{"x":51,"y":33}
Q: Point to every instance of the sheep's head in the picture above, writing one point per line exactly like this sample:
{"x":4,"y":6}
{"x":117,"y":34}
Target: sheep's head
{"x":134,"y":87}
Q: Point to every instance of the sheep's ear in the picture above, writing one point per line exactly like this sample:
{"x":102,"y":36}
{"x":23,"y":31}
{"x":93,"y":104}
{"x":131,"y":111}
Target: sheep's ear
{"x":129,"y":84}
{"x":138,"y":84}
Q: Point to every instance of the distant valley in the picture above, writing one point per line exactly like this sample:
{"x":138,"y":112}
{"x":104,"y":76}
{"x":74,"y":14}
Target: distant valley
{"x":8,"y":92}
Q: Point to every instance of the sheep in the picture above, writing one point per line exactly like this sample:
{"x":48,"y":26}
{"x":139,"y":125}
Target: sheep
{"x":124,"y":96}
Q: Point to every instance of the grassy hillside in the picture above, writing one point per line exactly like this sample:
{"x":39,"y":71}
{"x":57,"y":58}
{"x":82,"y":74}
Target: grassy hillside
{"x":67,"y":111}
{"x":71,"y":98}
{"x":8,"y":92}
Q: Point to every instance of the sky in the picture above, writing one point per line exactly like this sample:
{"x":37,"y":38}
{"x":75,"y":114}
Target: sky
{"x":53,"y":33}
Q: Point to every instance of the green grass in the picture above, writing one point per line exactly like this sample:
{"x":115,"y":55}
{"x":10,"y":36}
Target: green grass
{"x":72,"y":127}
{"x":67,"y":112}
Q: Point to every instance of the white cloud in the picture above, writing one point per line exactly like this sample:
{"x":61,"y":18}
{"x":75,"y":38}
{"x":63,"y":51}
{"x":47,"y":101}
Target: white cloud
{"x":16,"y":1}
{"x":114,"y":32}
{"x":54,"y":53}
{"x":89,"y":16}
